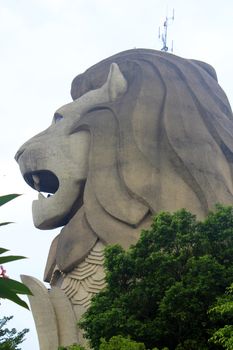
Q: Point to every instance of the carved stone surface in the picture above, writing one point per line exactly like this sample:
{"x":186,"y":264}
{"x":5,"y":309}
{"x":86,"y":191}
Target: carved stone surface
{"x":147,"y":131}
{"x":84,"y":281}
{"x":53,"y":315}
{"x":87,"y":279}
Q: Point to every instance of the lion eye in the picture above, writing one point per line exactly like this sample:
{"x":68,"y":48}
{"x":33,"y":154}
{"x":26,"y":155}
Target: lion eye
{"x":57,"y":117}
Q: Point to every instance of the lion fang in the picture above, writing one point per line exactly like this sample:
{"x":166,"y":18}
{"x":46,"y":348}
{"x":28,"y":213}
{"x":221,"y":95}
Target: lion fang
{"x":36,"y":181}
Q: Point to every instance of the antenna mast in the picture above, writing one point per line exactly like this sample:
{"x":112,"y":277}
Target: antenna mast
{"x":163,"y":36}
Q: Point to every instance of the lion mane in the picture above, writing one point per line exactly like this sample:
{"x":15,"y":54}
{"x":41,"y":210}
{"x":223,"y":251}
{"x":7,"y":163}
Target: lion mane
{"x":165,"y":144}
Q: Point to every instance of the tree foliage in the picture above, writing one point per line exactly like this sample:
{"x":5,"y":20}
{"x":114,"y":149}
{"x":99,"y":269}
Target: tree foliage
{"x":223,"y":311}
{"x":115,"y":343}
{"x":9,"y":288}
{"x":10,"y":339}
{"x":120,"y":343}
{"x":72,"y":347}
{"x":159,"y":291}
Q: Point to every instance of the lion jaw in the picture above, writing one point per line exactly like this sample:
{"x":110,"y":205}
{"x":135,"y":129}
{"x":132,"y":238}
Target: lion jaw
{"x":51,"y":212}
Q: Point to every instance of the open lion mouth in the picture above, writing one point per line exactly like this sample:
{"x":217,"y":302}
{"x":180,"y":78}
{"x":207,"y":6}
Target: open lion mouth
{"x":42,"y":181}
{"x":64,"y":198}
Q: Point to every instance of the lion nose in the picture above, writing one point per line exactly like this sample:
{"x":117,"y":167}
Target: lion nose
{"x":19,"y":153}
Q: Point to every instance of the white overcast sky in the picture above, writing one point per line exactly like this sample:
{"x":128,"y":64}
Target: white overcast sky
{"x":44,"y":45}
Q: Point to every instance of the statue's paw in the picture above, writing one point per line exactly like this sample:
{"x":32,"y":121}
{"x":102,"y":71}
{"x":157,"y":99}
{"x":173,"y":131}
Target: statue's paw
{"x":53,"y":315}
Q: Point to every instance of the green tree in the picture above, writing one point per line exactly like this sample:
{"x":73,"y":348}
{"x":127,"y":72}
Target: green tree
{"x":10,"y":339}
{"x":223,"y":311}
{"x":72,"y":347}
{"x":115,"y":343}
{"x":120,"y":343}
{"x":9,"y":288}
{"x":159,"y":291}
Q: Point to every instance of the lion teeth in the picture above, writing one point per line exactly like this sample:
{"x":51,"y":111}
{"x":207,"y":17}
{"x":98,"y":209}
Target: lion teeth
{"x":36,"y":179}
{"x":42,"y":196}
{"x":36,"y":182}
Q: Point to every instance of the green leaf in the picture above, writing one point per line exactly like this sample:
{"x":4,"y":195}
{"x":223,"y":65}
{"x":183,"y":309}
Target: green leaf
{"x":6,"y":223}
{"x":3,"y":250}
{"x":7,"y":198}
{"x":6,"y":293}
{"x":14,"y":286}
{"x":8,"y":287}
{"x":5,"y":259}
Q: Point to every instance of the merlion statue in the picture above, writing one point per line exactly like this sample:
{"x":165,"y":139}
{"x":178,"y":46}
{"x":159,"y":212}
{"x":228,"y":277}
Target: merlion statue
{"x":146,"y":131}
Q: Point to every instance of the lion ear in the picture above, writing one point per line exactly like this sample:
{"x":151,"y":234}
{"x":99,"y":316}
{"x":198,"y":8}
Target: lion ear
{"x":116,"y":82}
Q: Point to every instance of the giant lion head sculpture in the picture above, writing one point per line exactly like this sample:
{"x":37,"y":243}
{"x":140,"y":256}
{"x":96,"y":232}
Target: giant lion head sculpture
{"x":147,"y":131}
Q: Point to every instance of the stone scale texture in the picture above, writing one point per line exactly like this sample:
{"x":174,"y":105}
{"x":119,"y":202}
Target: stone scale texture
{"x":87,"y":279}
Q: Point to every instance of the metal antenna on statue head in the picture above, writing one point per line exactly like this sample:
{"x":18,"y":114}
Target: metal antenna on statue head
{"x":163,"y":35}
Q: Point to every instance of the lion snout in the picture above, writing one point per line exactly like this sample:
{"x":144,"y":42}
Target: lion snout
{"x":19,"y":153}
